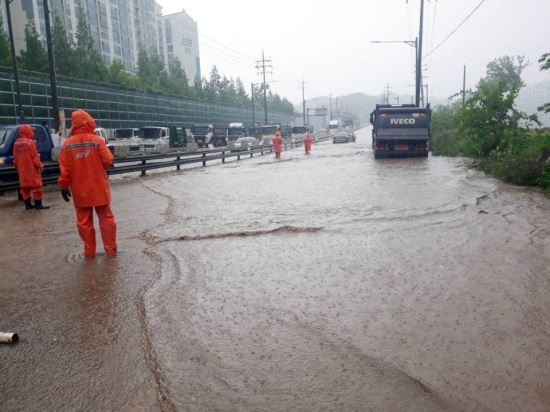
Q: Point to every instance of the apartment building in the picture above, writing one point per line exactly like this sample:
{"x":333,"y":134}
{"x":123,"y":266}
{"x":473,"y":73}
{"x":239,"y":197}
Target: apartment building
{"x":120,"y":29}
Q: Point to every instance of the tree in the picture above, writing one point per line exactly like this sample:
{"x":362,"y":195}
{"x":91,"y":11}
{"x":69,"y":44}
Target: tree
{"x":177,"y":81}
{"x":90,"y":66}
{"x":34,"y":57}
{"x":489,"y":118}
{"x":545,"y":65}
{"x":66,"y":60}
{"x":5,"y":57}
{"x":507,"y":69}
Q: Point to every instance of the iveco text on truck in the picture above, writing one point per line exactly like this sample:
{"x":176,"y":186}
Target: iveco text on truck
{"x":400,"y":131}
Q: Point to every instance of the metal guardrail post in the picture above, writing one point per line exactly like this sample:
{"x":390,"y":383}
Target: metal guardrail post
{"x":223,"y":154}
{"x":204,"y":161}
{"x":143,"y":172}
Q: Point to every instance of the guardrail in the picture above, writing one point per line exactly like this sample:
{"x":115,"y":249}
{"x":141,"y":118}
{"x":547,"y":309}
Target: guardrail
{"x":9,"y":179}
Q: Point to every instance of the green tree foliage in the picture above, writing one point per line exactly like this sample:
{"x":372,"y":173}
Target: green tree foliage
{"x":151,"y":71}
{"x":545,"y":65}
{"x":490,"y":118}
{"x":5,"y":56}
{"x":446,"y":139}
{"x":66,"y":60}
{"x":90,"y":66}
{"x":177,"y":79}
{"x":83,"y":61}
{"x":490,"y":128}
{"x":34,"y":57}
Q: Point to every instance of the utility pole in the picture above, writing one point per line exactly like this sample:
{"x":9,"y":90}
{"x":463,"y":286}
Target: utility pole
{"x":330,"y":106}
{"x":426,"y":86}
{"x":419,"y":54}
{"x":304,"y":103}
{"x":263,"y":64}
{"x":252,"y":99}
{"x":464,"y":87}
{"x":20,"y":112}
{"x":53,"y":82}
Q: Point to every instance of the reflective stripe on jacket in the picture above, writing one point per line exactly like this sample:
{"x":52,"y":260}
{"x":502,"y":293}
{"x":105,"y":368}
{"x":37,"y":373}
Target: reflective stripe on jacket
{"x":83,"y":163}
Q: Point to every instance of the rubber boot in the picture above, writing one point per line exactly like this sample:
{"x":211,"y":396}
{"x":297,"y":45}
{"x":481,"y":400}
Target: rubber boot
{"x":28,"y":204}
{"x":38,"y":205}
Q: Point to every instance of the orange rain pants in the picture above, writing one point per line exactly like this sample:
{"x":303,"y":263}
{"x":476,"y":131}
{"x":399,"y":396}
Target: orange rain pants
{"x":107,"y":225}
{"x":36,"y":193}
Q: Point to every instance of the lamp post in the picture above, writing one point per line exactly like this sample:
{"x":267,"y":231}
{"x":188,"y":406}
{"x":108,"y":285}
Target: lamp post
{"x":412,"y":43}
{"x":20,"y":112}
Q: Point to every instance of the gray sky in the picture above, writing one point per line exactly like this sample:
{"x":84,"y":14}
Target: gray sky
{"x":328,"y":44}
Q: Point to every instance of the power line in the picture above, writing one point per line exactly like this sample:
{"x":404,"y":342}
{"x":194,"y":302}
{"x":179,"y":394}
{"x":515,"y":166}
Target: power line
{"x":456,"y":28}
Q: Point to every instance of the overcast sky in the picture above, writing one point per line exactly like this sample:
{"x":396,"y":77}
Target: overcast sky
{"x":328,"y":44}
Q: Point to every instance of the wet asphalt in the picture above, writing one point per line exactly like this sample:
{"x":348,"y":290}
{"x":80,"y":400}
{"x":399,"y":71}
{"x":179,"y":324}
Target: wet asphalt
{"x":322,"y":282}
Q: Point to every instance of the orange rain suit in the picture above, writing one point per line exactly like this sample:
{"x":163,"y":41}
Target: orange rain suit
{"x":83,"y":163}
{"x":27,"y":162}
{"x":277,"y":144}
{"x":307,"y":143}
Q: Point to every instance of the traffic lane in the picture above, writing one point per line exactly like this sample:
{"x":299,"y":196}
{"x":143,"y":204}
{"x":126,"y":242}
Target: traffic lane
{"x":320,"y":315}
{"x":83,"y":344}
{"x":424,"y":257}
{"x":265,"y":333}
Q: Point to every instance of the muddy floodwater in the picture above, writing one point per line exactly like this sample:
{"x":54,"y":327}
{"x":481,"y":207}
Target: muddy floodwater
{"x":322,"y":282}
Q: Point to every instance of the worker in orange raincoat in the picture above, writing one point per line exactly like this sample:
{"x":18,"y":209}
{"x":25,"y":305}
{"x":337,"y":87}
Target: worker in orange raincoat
{"x":83,"y":163}
{"x":307,"y":143}
{"x":277,"y":144}
{"x":29,"y":168}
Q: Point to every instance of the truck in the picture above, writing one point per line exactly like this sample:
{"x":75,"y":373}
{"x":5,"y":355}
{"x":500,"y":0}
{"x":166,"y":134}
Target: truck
{"x":202,"y":133}
{"x":234,"y":131}
{"x":334,"y":126}
{"x":400,"y":130}
{"x":45,"y":144}
{"x":155,"y":139}
{"x":219,"y":137}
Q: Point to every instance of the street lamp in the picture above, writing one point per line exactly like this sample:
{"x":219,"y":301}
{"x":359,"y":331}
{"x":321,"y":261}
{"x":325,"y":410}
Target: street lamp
{"x":412,"y":43}
{"x":20,"y":113}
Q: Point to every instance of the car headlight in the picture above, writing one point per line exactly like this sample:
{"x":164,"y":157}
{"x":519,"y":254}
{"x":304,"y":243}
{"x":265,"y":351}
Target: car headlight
{"x":3,"y":161}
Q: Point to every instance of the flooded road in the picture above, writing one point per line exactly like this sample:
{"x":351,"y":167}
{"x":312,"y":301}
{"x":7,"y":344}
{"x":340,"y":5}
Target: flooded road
{"x":322,"y":282}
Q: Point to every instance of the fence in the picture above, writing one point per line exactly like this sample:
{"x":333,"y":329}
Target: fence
{"x":114,"y":107}
{"x":9,"y":178}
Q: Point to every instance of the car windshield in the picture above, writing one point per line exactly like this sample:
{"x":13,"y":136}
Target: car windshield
{"x":4,"y":133}
{"x":124,"y":133}
{"x":150,"y":132}
{"x":200,"y":129}
{"x":238,"y":131}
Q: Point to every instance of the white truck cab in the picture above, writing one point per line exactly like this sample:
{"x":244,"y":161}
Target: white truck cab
{"x":155,"y":138}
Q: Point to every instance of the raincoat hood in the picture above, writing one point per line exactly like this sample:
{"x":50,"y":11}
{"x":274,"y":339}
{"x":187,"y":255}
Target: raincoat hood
{"x":26,"y":131}
{"x":82,"y":122}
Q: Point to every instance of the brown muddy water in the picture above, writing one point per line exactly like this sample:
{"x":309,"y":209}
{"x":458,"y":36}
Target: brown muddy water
{"x":322,"y":282}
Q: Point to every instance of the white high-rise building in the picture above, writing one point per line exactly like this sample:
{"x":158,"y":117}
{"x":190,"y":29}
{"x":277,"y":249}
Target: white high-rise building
{"x":181,"y":41}
{"x":120,"y":29}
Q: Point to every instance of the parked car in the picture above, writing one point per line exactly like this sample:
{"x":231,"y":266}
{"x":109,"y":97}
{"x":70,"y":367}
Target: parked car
{"x":341,"y":137}
{"x":267,"y":141}
{"x":245,"y":143}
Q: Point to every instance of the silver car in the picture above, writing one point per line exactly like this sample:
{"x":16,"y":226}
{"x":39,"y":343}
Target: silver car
{"x":245,"y":143}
